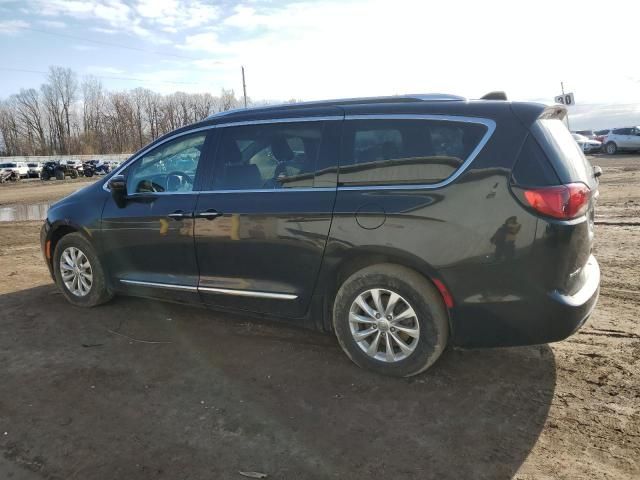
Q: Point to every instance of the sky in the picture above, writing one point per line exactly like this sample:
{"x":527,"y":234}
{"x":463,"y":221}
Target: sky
{"x":334,"y":49}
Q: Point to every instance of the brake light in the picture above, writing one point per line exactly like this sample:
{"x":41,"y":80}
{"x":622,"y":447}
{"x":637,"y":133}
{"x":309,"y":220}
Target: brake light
{"x":560,"y":201}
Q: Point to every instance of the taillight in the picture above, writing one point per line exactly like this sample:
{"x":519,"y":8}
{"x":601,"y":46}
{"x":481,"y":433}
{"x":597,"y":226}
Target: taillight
{"x":559,"y":201}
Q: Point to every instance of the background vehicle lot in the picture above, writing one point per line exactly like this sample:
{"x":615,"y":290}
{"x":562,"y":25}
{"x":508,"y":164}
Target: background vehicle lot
{"x":229,"y":393}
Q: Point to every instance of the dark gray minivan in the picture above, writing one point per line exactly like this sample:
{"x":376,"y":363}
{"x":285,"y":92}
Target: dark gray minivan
{"x":401,"y":224}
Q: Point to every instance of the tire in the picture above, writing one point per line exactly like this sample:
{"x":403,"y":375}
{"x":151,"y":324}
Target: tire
{"x":74,"y":174}
{"x":98,"y":291}
{"x":88,"y":173}
{"x":417,"y":293}
{"x":611,"y":148}
{"x":44,"y":175}
{"x":59,"y":175}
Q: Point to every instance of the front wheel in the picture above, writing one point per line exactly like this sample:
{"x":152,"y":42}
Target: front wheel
{"x":60,"y":174}
{"x":78,"y":272}
{"x":390,"y":319}
{"x":611,"y":148}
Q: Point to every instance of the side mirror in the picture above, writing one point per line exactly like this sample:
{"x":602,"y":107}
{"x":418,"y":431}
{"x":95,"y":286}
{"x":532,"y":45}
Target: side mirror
{"x":118,"y":187}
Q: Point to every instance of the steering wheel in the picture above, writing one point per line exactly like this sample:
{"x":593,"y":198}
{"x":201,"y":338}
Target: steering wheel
{"x":183,"y":180}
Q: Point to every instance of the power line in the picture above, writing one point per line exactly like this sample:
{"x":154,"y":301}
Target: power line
{"x":104,"y":76}
{"x":100,"y":42}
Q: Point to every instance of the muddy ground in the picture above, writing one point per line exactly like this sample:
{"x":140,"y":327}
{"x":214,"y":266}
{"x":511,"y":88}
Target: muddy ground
{"x":145,"y":390}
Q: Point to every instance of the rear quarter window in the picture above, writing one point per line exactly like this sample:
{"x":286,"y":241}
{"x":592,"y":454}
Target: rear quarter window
{"x":563,"y":152}
{"x":392,"y":152}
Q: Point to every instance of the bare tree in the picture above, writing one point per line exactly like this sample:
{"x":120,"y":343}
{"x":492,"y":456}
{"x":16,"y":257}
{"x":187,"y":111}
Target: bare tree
{"x":63,"y":116}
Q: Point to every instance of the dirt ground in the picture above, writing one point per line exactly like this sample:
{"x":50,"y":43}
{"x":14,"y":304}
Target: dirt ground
{"x":145,"y":390}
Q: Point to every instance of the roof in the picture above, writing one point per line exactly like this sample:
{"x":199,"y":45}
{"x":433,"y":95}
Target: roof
{"x":425,"y":97}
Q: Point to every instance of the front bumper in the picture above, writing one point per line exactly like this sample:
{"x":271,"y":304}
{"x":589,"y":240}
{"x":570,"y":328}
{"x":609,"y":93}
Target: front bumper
{"x":540,"y":318}
{"x":45,"y":246}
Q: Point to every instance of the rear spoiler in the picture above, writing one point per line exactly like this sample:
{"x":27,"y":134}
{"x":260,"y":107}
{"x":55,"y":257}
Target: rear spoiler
{"x":528,"y":112}
{"x":554,"y":111}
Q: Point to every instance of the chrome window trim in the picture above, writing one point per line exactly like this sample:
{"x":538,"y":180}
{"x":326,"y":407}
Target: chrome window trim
{"x":225,"y":291}
{"x":491,"y":127}
{"x":490,"y":124}
{"x":105,"y":187}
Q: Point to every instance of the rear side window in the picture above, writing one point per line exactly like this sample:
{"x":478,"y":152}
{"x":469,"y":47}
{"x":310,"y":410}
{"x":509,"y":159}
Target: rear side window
{"x":532,"y":167}
{"x":622,"y":131}
{"x":391,"y":152}
{"x":562,"y":150}
{"x":268,"y":156}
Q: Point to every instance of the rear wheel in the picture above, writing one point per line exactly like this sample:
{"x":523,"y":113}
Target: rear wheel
{"x":390,"y":319}
{"x":611,"y":148}
{"x":44,"y":175}
{"x":78,"y":272}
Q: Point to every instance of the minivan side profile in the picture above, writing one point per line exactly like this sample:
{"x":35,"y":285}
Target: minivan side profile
{"x":401,"y":224}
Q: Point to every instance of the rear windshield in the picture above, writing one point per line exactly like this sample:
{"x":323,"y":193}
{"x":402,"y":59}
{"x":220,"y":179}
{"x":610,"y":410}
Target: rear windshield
{"x":564,"y":153}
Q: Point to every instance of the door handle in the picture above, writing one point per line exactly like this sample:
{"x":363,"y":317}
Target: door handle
{"x":210,"y":214}
{"x":179,"y":215}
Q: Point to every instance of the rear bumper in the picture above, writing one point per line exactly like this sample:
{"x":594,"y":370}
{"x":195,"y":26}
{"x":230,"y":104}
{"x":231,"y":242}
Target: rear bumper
{"x":527,"y":321}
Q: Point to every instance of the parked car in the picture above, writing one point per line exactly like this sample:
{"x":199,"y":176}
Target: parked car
{"x":622,"y":139}
{"x":587,"y":146}
{"x":58,"y":170}
{"x":601,"y":134}
{"x":8,"y":174}
{"x":35,"y":169}
{"x":20,"y":169}
{"x":590,"y":134}
{"x":401,"y":224}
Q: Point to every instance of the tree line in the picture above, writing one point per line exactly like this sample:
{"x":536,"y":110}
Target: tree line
{"x":66,"y":116}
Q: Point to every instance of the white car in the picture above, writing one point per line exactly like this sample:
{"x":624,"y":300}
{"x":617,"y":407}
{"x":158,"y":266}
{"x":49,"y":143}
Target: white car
{"x":587,"y":145}
{"x":35,"y":169}
{"x":622,"y":139}
{"x":20,"y":168}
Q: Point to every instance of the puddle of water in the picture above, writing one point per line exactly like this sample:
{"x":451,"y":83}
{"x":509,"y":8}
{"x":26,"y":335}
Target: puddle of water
{"x":21,"y":213}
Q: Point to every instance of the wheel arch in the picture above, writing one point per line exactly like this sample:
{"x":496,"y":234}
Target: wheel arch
{"x":354,"y":259}
{"x":61,"y":229}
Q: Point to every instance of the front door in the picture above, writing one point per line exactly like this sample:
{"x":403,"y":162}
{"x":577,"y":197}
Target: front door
{"x":148,"y":243}
{"x":261,"y":229}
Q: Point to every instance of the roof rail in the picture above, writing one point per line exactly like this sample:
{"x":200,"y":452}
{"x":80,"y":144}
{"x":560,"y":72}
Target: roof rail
{"x":421,"y":97}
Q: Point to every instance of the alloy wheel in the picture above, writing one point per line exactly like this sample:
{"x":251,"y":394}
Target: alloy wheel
{"x":76,"y":271}
{"x":384,"y":325}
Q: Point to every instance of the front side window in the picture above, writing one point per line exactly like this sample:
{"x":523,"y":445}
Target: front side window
{"x":389,"y":152}
{"x":170,"y":167}
{"x":268,"y":156}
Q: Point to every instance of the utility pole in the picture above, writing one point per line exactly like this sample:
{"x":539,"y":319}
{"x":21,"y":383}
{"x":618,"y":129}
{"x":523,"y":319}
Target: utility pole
{"x":562,"y":87}
{"x":244,"y":88}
